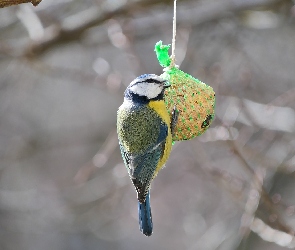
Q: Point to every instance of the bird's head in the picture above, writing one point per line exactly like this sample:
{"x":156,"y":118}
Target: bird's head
{"x":148,"y":86}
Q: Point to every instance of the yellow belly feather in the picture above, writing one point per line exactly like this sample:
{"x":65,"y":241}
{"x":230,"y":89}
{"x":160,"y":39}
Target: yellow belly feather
{"x":160,"y":108}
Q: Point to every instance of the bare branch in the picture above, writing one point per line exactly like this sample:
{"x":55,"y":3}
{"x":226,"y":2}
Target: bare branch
{"x":6,"y":3}
{"x":73,"y":27}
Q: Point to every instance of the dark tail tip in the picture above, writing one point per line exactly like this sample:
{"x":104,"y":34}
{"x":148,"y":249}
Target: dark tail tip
{"x":145,"y":217}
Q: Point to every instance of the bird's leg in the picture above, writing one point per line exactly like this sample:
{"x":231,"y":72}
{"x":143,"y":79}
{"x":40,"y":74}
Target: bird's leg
{"x":174,"y":119}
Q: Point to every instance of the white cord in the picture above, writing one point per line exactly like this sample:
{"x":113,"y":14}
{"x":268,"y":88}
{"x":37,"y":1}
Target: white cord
{"x":173,"y":37}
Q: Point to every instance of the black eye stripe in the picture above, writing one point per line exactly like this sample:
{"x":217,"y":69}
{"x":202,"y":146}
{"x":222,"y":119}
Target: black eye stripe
{"x":150,"y":80}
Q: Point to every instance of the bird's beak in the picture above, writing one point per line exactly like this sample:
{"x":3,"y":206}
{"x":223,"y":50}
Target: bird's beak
{"x":166,"y":84}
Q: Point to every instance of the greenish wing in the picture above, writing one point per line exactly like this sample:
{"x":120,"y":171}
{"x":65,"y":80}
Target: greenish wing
{"x":142,"y":166}
{"x":140,"y":129}
{"x":138,"y":163}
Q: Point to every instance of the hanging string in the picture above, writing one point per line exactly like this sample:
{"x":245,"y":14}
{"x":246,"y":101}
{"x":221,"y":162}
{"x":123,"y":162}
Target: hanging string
{"x":173,"y":37}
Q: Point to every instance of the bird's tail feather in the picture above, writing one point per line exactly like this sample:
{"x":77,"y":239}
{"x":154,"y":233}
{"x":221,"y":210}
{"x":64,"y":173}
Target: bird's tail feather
{"x":145,"y":216}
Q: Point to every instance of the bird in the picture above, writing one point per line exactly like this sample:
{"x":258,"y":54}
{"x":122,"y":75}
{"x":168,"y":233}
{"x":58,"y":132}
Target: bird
{"x":145,"y":128}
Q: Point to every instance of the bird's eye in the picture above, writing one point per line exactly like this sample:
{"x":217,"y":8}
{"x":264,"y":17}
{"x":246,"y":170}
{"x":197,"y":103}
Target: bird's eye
{"x":166,"y":84}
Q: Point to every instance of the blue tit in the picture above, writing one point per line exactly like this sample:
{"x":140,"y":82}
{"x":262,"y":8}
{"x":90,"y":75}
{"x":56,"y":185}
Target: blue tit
{"x":145,"y":130}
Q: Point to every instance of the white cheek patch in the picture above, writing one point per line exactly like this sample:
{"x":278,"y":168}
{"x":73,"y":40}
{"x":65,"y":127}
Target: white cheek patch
{"x":150,"y":90}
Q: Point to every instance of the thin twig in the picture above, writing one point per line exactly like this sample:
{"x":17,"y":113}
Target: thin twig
{"x":264,"y":194}
{"x":6,"y":3}
{"x":99,"y":160}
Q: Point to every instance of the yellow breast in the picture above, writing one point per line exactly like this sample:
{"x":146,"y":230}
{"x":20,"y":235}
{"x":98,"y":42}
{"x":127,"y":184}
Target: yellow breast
{"x":160,"y":108}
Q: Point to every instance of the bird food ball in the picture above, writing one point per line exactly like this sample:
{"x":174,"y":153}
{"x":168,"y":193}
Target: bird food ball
{"x":194,"y":100}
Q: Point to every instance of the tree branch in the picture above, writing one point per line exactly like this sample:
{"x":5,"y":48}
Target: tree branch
{"x":73,"y":27}
{"x":6,"y":3}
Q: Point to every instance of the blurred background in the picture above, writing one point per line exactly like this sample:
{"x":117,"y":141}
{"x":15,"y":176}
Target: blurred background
{"x":64,"y":66}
